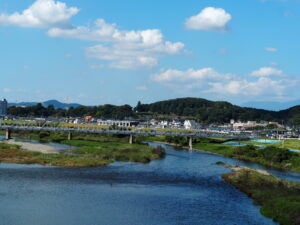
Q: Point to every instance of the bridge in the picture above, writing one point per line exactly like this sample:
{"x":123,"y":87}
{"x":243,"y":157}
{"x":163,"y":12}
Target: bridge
{"x":194,"y":134}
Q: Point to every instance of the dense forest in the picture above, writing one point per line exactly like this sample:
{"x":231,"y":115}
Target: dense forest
{"x":201,"y":110}
{"x":104,"y":111}
{"x":218,"y":111}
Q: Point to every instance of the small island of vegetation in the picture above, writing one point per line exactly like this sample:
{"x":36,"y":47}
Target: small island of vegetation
{"x":89,"y":151}
{"x":280,"y":199}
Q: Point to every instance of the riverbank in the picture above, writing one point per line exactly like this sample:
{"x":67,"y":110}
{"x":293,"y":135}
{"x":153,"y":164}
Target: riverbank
{"x":31,"y":147}
{"x":271,"y":157}
{"x":280,"y":199}
{"x":87,"y":153}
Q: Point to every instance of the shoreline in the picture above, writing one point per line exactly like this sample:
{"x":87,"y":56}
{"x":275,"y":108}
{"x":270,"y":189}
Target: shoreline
{"x":278,"y":198}
{"x":267,"y":165}
{"x":32,"y":147}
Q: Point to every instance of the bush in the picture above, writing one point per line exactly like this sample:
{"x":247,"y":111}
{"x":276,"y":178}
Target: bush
{"x":44,"y":134}
{"x":248,"y":150}
{"x":160,"y":151}
{"x":277,"y":155}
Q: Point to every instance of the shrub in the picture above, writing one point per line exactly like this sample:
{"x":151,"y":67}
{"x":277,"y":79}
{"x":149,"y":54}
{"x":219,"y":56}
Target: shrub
{"x":277,"y":155}
{"x":160,"y":151}
{"x":248,"y":150}
{"x":44,"y":134}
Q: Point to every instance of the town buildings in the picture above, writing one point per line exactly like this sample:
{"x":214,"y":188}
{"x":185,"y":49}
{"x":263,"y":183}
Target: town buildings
{"x":118,"y":123}
{"x":3,"y":107}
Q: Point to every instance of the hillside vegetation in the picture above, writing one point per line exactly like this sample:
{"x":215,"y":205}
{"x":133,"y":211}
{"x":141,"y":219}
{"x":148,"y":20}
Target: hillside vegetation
{"x":200,"y":109}
{"x":217,"y":111}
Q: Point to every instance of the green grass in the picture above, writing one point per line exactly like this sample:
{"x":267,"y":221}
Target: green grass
{"x":14,"y":154}
{"x":272,"y":157}
{"x":280,"y":199}
{"x":220,"y":149}
{"x":290,"y":144}
{"x":115,"y":150}
{"x":91,"y":151}
{"x":214,"y":145}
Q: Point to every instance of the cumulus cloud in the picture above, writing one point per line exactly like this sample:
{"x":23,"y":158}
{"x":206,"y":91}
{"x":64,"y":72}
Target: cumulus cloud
{"x":266,"y":72}
{"x":41,"y":14}
{"x":210,"y":18}
{"x":124,"y":49}
{"x":262,"y":86}
{"x":208,"y":80}
{"x":189,"y":75}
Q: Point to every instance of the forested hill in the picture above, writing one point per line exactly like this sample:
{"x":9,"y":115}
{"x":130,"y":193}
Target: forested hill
{"x":216,"y":111}
{"x":199,"y":109}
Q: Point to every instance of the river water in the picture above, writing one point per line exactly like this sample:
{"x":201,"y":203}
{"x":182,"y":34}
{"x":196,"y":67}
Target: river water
{"x":184,"y":188}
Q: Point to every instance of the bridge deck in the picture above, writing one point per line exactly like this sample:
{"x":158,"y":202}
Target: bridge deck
{"x":129,"y":132}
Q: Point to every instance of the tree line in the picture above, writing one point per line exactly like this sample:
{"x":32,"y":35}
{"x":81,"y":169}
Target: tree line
{"x":104,"y":111}
{"x":201,"y":110}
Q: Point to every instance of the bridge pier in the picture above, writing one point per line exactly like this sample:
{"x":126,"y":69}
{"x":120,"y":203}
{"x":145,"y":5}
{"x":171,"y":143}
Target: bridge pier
{"x":69,"y":136}
{"x":191,"y":144}
{"x":130,"y":139}
{"x":8,"y":134}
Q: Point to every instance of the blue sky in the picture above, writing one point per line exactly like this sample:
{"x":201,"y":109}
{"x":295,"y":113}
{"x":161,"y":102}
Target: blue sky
{"x":96,"y":52}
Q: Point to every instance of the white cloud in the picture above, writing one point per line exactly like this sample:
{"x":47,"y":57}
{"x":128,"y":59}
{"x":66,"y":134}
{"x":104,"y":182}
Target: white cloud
{"x":189,"y":75}
{"x":96,"y":66}
{"x":209,"y":18}
{"x":262,"y":86}
{"x":41,"y":14}
{"x":271,"y":49}
{"x":123,"y":49}
{"x":208,"y":80}
{"x":266,"y":72}
{"x":7,"y":90}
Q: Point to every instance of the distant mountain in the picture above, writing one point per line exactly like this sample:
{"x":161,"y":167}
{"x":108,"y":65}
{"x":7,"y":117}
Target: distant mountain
{"x":217,"y":111}
{"x":60,"y":105}
{"x":55,"y":103}
{"x":194,"y":108}
{"x":275,"y":106}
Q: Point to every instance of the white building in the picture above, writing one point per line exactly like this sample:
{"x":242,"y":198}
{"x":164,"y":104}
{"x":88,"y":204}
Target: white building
{"x":190,"y":124}
{"x":119,"y":123}
{"x":3,"y":107}
{"x":175,"y":124}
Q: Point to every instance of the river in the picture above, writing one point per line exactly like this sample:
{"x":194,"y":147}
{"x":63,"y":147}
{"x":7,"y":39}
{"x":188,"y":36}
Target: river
{"x":184,"y":188}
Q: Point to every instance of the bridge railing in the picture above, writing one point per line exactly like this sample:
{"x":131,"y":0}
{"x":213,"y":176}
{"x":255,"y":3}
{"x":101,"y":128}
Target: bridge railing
{"x":129,"y":132}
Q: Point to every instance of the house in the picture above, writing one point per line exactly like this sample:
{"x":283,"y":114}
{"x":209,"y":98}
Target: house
{"x":119,"y":123}
{"x":189,"y":124}
{"x":88,"y":119}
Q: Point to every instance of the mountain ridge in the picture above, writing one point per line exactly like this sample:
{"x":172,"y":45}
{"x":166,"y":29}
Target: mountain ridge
{"x":57,"y":104}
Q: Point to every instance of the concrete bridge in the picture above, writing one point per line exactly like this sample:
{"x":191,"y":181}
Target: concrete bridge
{"x":10,"y":128}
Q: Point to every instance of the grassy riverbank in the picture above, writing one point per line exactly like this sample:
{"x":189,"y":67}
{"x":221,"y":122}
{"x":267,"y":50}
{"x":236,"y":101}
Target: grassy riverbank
{"x":280,"y":199}
{"x":14,"y":154}
{"x":290,"y":144}
{"x":91,"y":151}
{"x":272,"y":156}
